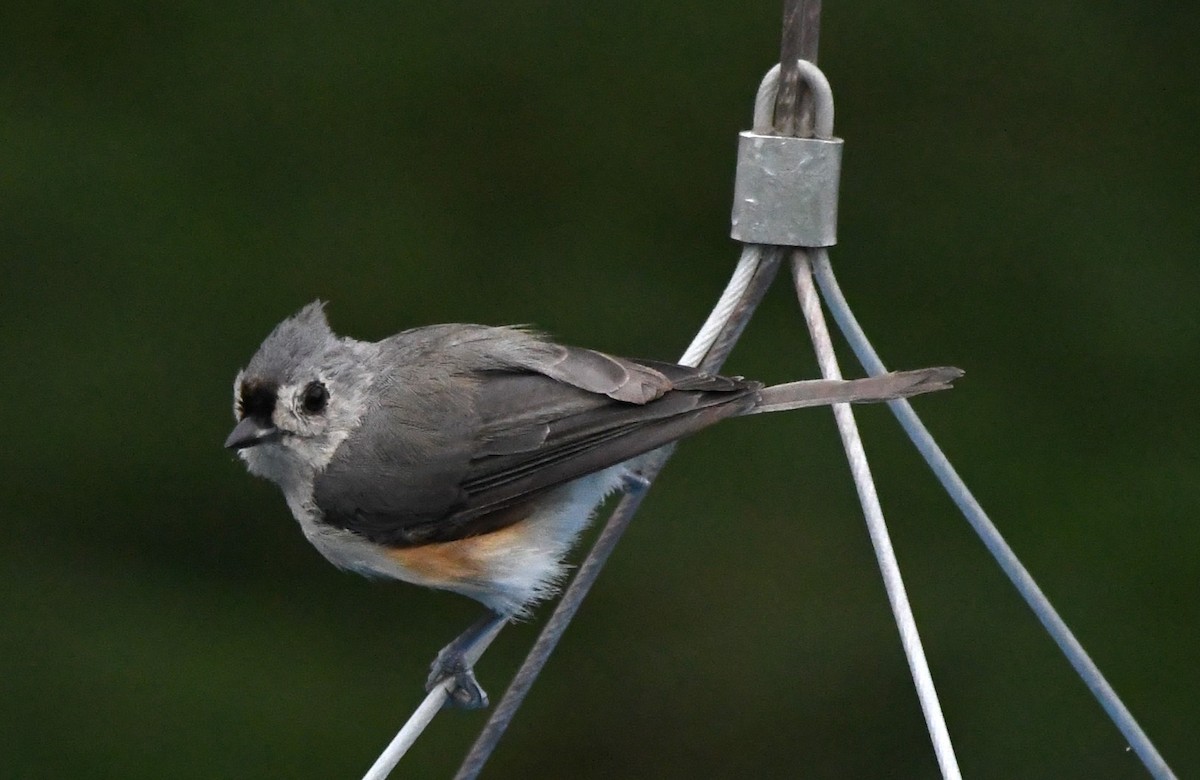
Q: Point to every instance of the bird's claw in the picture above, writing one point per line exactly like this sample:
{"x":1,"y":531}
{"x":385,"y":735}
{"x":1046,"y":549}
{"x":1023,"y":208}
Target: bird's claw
{"x":634,"y":482}
{"x":466,"y":693}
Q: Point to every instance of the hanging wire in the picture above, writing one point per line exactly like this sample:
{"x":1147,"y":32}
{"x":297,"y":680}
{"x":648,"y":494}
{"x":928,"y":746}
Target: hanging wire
{"x":424,"y":714}
{"x":722,"y":313}
{"x":988,"y":533}
{"x":799,"y":43}
{"x":889,"y":567}
{"x":405,"y":738}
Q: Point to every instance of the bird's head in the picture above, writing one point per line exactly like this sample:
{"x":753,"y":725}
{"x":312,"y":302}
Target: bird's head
{"x":298,"y":398}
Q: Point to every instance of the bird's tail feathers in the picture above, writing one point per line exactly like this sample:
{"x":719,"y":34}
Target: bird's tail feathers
{"x":885,"y":387}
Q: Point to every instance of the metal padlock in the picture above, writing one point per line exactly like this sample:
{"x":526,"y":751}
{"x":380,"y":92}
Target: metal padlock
{"x":786,"y":190}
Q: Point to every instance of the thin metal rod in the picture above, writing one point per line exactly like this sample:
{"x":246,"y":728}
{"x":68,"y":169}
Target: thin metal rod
{"x":407,"y":735}
{"x":424,"y":714}
{"x":989,"y":534}
{"x":514,"y":697}
{"x":739,"y":314}
{"x":864,"y":483}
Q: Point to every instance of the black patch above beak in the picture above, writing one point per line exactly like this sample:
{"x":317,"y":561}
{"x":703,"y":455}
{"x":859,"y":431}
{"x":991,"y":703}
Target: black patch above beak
{"x":251,"y":432}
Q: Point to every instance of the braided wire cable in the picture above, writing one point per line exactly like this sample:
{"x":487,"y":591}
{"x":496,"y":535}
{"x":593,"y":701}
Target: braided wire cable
{"x":988,"y":533}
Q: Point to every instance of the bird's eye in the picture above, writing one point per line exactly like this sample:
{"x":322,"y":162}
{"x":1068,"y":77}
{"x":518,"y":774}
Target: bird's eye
{"x":315,"y":398}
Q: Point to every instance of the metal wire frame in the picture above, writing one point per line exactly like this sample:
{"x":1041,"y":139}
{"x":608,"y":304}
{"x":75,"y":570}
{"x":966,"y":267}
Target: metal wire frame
{"x":754,"y":274}
{"x":987,"y":531}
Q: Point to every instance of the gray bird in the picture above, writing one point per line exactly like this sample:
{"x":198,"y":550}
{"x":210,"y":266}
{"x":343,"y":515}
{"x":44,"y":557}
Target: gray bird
{"x":469,"y":457}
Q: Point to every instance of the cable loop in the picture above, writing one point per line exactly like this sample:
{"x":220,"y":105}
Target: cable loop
{"x":822,"y":101}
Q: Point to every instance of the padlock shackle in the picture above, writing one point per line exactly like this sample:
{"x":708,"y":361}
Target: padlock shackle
{"x":822,"y":100}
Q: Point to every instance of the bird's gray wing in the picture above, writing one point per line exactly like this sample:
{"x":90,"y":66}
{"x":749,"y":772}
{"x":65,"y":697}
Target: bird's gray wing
{"x":458,"y":451}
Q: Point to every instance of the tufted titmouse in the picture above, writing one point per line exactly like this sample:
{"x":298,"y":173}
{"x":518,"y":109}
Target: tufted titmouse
{"x":468,"y":457}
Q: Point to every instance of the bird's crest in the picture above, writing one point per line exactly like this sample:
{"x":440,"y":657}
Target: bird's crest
{"x":293,"y":343}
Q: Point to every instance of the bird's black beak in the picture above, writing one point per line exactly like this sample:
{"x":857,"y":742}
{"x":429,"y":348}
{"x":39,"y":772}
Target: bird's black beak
{"x":251,"y":432}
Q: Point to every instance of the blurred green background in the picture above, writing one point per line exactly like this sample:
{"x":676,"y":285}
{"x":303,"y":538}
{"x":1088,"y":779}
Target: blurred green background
{"x":1021,"y":197}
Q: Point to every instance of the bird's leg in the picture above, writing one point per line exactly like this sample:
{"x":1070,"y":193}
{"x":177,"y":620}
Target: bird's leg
{"x":452,"y":662}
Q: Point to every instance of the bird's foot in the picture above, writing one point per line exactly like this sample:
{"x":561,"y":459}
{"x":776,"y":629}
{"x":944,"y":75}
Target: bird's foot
{"x":466,"y":693}
{"x":453,"y":662}
{"x":634,"y":482}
